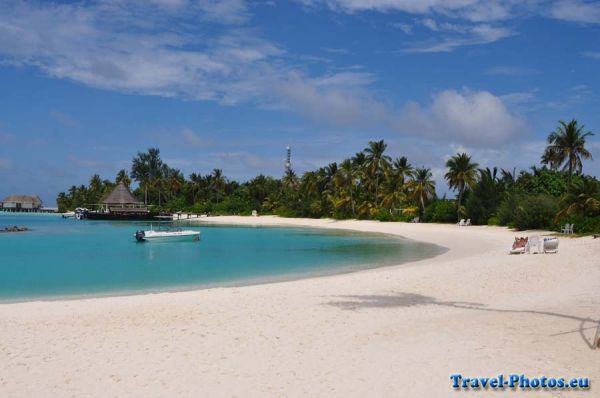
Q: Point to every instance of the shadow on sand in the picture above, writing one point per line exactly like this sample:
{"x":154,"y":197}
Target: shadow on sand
{"x":399,"y":300}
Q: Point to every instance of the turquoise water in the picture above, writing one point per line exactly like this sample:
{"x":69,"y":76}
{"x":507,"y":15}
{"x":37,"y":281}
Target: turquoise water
{"x":61,"y":257}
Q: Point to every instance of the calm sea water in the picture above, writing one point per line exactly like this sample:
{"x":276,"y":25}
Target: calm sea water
{"x":62,"y":258}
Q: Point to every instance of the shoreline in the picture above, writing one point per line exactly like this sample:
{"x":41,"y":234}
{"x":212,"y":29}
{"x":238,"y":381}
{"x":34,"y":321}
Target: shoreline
{"x":393,"y":330}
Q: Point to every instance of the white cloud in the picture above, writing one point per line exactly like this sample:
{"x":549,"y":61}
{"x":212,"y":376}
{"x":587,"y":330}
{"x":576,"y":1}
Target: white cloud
{"x":341,"y":99}
{"x":194,"y":139}
{"x":405,"y":27}
{"x":518,"y":97}
{"x":592,"y":54}
{"x":473,"y":35}
{"x":576,"y":11}
{"x":473,"y":10}
{"x":452,"y":36}
{"x":109,"y":45}
{"x":474,"y":118}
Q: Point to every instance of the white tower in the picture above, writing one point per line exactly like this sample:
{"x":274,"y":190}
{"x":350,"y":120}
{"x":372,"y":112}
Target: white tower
{"x":288,"y":159}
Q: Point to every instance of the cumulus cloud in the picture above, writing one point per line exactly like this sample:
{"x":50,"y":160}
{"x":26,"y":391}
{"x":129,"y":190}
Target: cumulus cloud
{"x":121,"y":46}
{"x":341,"y":99}
{"x":475,"y":118}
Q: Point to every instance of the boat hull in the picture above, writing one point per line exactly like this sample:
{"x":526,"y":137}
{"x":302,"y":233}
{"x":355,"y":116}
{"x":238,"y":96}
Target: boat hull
{"x":154,"y":236}
{"x":121,"y":217}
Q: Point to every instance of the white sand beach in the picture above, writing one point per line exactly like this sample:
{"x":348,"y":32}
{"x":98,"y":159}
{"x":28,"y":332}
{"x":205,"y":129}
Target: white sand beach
{"x":393,"y":331}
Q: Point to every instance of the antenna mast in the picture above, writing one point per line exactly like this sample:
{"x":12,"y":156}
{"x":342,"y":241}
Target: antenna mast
{"x":288,"y":159}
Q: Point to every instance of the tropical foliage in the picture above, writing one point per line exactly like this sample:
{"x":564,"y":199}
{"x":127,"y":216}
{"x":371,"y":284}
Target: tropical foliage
{"x":373,"y":185}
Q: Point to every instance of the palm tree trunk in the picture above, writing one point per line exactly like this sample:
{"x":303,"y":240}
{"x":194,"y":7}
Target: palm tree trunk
{"x":376,"y":186}
{"x":460,"y":194}
{"x":352,"y":202}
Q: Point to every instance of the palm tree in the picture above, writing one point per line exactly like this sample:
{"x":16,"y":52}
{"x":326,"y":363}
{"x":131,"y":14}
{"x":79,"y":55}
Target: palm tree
{"x":123,"y":177}
{"x":422,"y":187}
{"x":583,"y":199}
{"x":290,"y":179}
{"x":461,"y":174}
{"x":345,"y":180}
{"x":402,"y":168}
{"x":376,"y":161}
{"x":195,"y":181}
{"x":96,"y":187}
{"x":566,"y":147}
{"x":393,"y":192}
{"x":146,"y":168}
{"x":217,"y":182}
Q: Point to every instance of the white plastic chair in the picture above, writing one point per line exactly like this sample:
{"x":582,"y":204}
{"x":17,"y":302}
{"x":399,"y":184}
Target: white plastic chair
{"x":468,"y":222}
{"x":533,"y":242}
{"x":565,"y":229}
{"x":461,"y":223}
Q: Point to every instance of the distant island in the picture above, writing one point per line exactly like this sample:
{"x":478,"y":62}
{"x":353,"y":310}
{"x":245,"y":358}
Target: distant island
{"x":373,"y":185}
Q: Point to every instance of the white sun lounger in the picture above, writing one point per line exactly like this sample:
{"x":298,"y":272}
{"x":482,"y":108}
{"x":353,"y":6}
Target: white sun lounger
{"x":534,"y":242}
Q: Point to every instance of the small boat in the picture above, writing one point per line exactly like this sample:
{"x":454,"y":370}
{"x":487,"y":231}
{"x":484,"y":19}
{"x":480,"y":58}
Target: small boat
{"x":166,"y":235}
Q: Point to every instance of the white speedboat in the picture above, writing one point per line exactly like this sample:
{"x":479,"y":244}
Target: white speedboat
{"x":164,"y":235}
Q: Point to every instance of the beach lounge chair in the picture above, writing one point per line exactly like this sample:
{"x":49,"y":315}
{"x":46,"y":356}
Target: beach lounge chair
{"x":461,"y":223}
{"x":468,"y":222}
{"x":519,"y":246}
{"x":550,"y":244}
{"x":534,"y":242}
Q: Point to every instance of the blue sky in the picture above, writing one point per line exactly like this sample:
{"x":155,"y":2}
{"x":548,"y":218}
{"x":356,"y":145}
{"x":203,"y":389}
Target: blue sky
{"x":86,"y":85}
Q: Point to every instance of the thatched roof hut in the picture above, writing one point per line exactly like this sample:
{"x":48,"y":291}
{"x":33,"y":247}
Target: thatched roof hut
{"x":33,"y":200}
{"x":121,"y":196}
{"x":21,"y":203}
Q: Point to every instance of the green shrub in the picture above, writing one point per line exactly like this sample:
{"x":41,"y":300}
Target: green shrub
{"x":505,"y":214}
{"x":583,"y":224}
{"x":494,"y":220}
{"x":442,"y":211}
{"x":383,"y":215}
{"x":535,"y":212}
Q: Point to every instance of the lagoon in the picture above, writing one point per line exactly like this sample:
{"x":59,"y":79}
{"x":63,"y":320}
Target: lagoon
{"x":63,"y":258}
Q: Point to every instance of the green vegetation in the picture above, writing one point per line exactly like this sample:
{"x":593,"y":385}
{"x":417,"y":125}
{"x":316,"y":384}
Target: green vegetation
{"x":370,"y":185}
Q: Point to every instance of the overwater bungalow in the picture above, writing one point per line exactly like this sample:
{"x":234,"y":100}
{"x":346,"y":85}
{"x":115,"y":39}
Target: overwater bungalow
{"x":21,"y":203}
{"x":121,"y":204}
